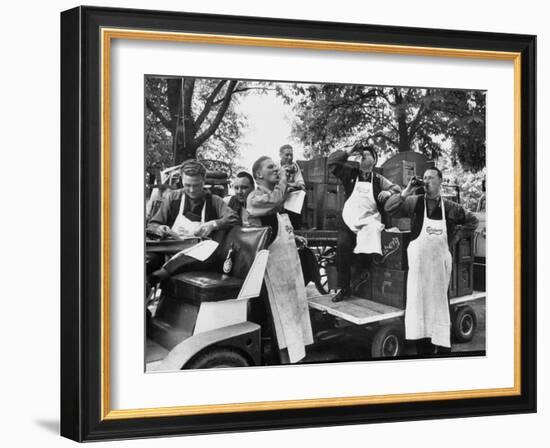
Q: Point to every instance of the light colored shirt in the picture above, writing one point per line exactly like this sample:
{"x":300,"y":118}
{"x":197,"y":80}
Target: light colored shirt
{"x":263,"y":202}
{"x":297,"y":177}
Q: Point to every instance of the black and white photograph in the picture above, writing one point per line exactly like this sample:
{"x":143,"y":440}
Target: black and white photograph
{"x":297,"y":223}
{"x":272,"y":223}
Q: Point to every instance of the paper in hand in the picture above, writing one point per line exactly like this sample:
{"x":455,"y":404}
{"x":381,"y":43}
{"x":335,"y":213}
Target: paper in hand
{"x":200,"y":251}
{"x":294,"y":201}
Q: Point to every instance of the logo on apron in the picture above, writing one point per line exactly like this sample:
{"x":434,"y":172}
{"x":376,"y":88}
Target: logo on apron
{"x":430,"y":265}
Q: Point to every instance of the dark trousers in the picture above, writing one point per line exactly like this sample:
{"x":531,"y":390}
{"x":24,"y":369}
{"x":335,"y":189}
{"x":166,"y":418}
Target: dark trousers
{"x":345,"y":257}
{"x":425,"y":347}
{"x":295,"y":219}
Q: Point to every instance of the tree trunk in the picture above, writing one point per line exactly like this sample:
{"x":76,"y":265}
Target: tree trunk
{"x":184,"y":129}
{"x":185,"y":152}
{"x":403,"y":134}
{"x":174,"y":106}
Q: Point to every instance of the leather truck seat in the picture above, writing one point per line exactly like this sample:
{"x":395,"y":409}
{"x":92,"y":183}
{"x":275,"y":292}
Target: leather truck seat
{"x":213,"y":285}
{"x":206,"y":286}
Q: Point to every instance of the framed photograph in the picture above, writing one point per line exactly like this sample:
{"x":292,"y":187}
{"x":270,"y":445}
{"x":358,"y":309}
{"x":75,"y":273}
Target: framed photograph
{"x":273,"y":223}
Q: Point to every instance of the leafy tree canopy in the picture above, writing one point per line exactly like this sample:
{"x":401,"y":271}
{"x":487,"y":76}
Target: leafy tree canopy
{"x":193,"y":117}
{"x":333,"y":116}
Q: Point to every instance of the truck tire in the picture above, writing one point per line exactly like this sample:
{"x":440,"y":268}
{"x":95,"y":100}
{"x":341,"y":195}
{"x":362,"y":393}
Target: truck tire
{"x":387,"y":342}
{"x":216,"y":358}
{"x":464,"y":324}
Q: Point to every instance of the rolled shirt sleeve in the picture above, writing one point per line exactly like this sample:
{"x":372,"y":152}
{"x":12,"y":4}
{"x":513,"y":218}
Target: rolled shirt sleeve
{"x":387,"y":185}
{"x":262,"y":202}
{"x":398,"y":207}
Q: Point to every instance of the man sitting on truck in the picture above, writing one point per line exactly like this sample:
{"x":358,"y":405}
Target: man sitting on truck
{"x":365,"y":192}
{"x":190,"y":211}
{"x":243,"y":186}
{"x":436,"y":223}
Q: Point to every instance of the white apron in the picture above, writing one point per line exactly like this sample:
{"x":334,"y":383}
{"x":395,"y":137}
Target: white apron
{"x":430,"y":265}
{"x":361,"y":215}
{"x":287,"y":293}
{"x":184,"y":226}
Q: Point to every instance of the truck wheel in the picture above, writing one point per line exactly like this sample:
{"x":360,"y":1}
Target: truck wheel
{"x":325,"y":256}
{"x":387,"y":342}
{"x":464,"y":324}
{"x":217,"y":358}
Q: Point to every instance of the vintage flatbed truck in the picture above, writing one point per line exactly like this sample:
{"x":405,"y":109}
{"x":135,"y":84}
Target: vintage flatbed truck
{"x":379,"y":302}
{"x":202,"y":319}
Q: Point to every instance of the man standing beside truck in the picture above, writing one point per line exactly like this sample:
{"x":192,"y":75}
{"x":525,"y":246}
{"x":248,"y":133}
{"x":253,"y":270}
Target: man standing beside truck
{"x":436,"y":223}
{"x":360,"y":228}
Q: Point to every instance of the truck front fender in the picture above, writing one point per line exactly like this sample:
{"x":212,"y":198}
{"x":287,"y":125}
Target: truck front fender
{"x":244,"y":336}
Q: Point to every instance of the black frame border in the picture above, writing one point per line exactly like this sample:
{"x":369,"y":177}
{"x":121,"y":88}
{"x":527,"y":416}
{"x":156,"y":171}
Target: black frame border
{"x":81,"y":223}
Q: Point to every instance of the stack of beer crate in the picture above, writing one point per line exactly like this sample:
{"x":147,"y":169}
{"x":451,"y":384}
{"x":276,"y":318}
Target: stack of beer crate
{"x":324,"y":195}
{"x":388,"y":279}
{"x":462,"y":278}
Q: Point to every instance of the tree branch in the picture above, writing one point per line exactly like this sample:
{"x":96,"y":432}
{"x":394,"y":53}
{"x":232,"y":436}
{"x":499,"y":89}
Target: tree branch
{"x":219,"y":116}
{"x":413,"y":125}
{"x":385,"y":137}
{"x":380,"y":93}
{"x":244,"y":89}
{"x":157,"y":113}
{"x":384,"y":120}
{"x":208,"y":104}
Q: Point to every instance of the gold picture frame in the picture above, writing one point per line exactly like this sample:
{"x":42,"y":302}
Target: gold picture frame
{"x":104,"y":26}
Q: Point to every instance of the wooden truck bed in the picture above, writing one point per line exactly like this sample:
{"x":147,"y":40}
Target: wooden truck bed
{"x":363,"y":311}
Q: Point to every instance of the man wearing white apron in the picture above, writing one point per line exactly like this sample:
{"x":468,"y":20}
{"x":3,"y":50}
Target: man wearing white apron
{"x":190,"y":211}
{"x":264,"y":204}
{"x":435,"y":222}
{"x":267,"y":200}
{"x":361,"y":224}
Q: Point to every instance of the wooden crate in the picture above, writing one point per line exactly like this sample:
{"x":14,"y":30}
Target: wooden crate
{"x":399,"y":168}
{"x":332,"y":200}
{"x":452,"y":291}
{"x":394,"y":249}
{"x":362,"y":286}
{"x":328,"y":220}
{"x":465,"y":249}
{"x":309,"y":211}
{"x":479,"y":276}
{"x":465,"y":278}
{"x":403,"y":224}
{"x":327,"y":202}
{"x":401,"y":172}
{"x":316,"y":171}
{"x":389,"y":286}
{"x":309,"y":218}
